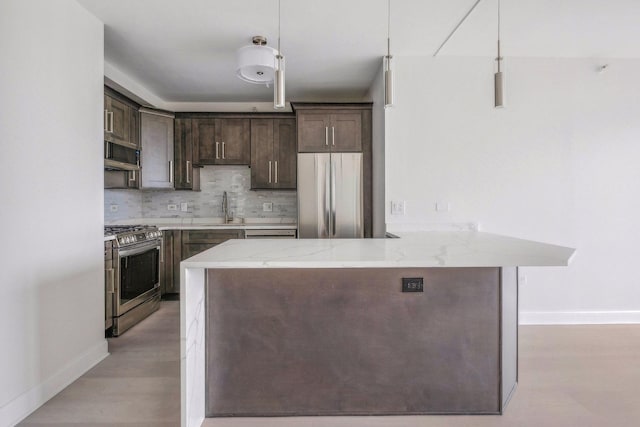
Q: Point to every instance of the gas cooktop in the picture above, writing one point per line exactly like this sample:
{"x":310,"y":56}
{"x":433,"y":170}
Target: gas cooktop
{"x":112,"y":230}
{"x":132,"y":234}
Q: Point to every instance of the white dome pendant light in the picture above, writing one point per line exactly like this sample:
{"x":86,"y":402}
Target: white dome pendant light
{"x":498,"y":82}
{"x":255,"y":62}
{"x":278,"y":87}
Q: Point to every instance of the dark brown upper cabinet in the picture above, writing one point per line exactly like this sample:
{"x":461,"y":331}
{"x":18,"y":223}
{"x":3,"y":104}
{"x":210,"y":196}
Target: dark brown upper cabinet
{"x":122,"y":140}
{"x":186,"y":177}
{"x":273,"y":154}
{"x":339,"y":127}
{"x":322,"y":131}
{"x":221,"y":141}
{"x":121,"y":122}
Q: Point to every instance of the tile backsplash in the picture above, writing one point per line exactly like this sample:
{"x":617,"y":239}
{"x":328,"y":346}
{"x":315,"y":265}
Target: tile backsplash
{"x":207,"y":203}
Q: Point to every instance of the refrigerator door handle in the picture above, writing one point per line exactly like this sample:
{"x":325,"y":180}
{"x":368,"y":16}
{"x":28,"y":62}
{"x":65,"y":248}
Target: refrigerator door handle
{"x":333,"y":198}
{"x":327,"y":198}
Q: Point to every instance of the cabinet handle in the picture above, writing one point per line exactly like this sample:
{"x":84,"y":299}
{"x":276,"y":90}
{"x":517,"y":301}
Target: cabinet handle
{"x":333,"y":135}
{"x":188,"y":166}
{"x":171,"y":171}
{"x":269,"y":171}
{"x":107,"y":147}
{"x":110,"y":116}
{"x":333,"y":197}
{"x":106,"y":120}
{"x":326,"y":135}
{"x":276,"y":163}
{"x":132,"y":176}
{"x":217,"y":150}
{"x":223,"y":144}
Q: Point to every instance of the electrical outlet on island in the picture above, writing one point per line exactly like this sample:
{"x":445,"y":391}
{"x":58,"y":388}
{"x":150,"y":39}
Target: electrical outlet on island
{"x":267,"y":207}
{"x":397,"y":207}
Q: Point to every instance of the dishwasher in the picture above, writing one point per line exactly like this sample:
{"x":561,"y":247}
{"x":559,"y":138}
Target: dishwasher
{"x":270,"y":234}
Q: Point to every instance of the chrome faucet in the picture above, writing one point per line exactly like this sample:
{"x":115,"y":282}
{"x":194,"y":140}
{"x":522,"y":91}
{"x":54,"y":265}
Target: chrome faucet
{"x":225,"y":208}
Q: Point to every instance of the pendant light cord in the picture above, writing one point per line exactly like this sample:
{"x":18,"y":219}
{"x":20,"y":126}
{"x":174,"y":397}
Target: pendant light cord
{"x":389,"y":28}
{"x":279,"y":21}
{"x":499,"y":58}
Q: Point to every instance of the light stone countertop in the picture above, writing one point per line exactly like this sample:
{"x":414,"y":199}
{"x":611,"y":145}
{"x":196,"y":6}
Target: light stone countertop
{"x":412,"y":249}
{"x":213,"y":223}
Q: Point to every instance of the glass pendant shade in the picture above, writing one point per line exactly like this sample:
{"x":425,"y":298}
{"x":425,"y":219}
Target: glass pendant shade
{"x":388,"y":82}
{"x":498,"y":90}
{"x":278,"y":87}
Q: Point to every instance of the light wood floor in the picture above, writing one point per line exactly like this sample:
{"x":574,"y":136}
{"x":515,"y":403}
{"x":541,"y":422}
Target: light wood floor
{"x":583,"y":376}
{"x":138,"y":385}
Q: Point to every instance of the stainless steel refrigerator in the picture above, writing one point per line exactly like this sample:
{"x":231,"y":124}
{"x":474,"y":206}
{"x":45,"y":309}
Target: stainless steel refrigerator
{"x":330,"y":195}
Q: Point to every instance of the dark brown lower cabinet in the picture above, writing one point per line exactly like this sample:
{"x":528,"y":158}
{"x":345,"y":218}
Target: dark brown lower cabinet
{"x":170,"y":267}
{"x":182,"y":244}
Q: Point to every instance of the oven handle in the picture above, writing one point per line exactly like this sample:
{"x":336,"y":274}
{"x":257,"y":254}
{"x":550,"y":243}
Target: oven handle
{"x":110,"y":279}
{"x":138,"y":249}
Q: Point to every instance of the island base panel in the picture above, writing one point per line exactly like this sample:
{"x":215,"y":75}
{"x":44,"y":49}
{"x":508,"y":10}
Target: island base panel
{"x":283,"y":342}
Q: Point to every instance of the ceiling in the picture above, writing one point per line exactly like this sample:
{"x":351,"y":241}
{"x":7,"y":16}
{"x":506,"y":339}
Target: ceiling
{"x":184,"y":51}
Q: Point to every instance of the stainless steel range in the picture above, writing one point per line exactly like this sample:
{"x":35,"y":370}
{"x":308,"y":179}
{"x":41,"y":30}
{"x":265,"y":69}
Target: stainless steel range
{"x":133,"y":285}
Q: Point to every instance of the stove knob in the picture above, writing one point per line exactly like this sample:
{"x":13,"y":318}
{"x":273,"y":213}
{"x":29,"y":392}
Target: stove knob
{"x":121,"y":240}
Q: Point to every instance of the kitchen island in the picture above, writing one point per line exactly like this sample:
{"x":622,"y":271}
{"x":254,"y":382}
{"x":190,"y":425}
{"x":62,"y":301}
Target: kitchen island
{"x":423,"y":324}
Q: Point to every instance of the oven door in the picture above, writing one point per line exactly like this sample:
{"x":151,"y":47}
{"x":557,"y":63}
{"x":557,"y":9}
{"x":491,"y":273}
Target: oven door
{"x":138,"y":275}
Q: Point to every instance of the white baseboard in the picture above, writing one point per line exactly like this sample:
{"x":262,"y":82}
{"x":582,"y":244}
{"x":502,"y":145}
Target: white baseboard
{"x":20,"y":407}
{"x":579,"y":317}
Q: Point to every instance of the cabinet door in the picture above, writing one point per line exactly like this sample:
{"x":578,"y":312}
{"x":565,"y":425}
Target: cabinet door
{"x":157,"y":151}
{"x":234,"y":137}
{"x":262,"y":161}
{"x":134,"y":126}
{"x":205,"y":143}
{"x":346,"y":132}
{"x":166,"y":277}
{"x":183,"y":155}
{"x":119,"y":121}
{"x":284,"y":152}
{"x":313,"y":132}
{"x":191,"y":249}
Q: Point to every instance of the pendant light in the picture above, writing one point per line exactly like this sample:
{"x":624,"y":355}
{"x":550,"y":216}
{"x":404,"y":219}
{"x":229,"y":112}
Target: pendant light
{"x":388,"y":72}
{"x":278,"y":87}
{"x":497,"y":78}
{"x":255,"y":62}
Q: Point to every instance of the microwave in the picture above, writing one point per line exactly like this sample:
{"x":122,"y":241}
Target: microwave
{"x":121,"y":156}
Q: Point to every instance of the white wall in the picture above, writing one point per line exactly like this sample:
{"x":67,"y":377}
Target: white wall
{"x":559,"y":164}
{"x":51,"y":304}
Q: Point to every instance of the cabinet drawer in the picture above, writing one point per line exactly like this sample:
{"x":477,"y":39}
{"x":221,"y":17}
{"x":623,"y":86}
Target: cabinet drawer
{"x":210,"y":236}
